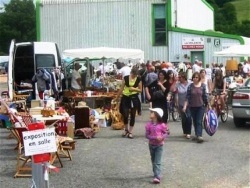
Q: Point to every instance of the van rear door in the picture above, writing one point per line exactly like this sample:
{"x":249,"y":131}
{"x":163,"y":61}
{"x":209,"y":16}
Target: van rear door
{"x":10,"y":68}
{"x":46,"y":55}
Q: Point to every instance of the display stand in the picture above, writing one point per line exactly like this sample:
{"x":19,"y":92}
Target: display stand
{"x":39,"y":147}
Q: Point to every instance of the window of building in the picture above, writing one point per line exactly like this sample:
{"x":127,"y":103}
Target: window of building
{"x":159,"y":25}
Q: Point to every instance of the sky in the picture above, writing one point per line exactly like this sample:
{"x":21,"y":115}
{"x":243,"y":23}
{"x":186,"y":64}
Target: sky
{"x":4,"y":1}
{"x":7,"y":1}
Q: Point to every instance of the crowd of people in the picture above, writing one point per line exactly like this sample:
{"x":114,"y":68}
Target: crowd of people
{"x":158,"y":83}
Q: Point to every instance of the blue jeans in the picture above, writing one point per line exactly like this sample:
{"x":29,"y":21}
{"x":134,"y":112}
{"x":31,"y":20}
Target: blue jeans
{"x":156,"y":153}
{"x":197,"y":115}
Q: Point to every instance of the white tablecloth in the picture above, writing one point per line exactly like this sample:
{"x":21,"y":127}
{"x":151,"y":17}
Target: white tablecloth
{"x":53,"y":118}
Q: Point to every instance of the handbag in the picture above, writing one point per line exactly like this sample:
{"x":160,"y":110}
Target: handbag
{"x":159,"y":94}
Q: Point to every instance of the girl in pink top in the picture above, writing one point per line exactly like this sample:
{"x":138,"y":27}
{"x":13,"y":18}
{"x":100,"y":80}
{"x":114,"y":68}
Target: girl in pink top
{"x":156,"y":132}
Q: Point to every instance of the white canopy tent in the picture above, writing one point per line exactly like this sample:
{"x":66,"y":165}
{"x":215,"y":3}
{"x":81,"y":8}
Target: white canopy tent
{"x":103,"y":53}
{"x":234,"y":51}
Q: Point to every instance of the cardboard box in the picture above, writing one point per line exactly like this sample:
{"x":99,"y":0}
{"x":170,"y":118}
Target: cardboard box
{"x":35,"y":103}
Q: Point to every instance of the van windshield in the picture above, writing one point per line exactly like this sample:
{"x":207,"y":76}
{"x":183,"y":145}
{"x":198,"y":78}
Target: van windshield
{"x":45,"y":61}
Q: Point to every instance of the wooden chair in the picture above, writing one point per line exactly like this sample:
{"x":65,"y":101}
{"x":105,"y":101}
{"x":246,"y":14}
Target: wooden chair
{"x":66,"y":144}
{"x":22,"y":167}
{"x":13,"y":119}
{"x":27,"y":119}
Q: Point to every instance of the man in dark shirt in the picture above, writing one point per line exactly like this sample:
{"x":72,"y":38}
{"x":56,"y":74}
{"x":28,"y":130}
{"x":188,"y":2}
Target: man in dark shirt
{"x":143,"y":73}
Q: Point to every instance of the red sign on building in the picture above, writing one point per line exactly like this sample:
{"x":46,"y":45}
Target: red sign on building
{"x":192,"y":43}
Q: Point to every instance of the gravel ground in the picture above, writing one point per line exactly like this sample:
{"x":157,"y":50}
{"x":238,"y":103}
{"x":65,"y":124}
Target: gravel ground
{"x":110,"y":161}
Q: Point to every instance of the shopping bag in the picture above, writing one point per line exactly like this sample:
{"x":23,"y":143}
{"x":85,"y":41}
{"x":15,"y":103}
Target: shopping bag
{"x":210,"y":122}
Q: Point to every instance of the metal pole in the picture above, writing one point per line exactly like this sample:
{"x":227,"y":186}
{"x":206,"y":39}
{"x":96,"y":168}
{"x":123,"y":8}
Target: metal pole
{"x":39,"y":175}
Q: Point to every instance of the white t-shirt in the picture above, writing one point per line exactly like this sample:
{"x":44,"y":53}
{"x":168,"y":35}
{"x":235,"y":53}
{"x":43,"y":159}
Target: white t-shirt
{"x":206,"y":84}
{"x":125,"y":71}
{"x":209,"y":73}
{"x":196,"y":68}
{"x":75,"y":76}
{"x":102,"y":69}
{"x":246,"y":68}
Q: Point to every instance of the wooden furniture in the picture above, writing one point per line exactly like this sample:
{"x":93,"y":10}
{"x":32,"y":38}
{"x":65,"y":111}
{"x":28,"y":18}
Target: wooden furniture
{"x":49,"y":121}
{"x":97,"y":100}
{"x":22,"y":167}
{"x":17,"y":97}
{"x":81,"y":117}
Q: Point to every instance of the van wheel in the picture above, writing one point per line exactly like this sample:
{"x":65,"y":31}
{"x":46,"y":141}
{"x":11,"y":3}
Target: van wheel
{"x":239,"y":122}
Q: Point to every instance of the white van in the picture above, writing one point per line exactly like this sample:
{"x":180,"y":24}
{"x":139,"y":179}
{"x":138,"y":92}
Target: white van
{"x":25,"y":59}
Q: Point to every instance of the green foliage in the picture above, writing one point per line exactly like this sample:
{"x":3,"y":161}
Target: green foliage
{"x":244,"y":28}
{"x":226,"y":18}
{"x":17,"y":22}
{"x":229,"y":13}
{"x":242,"y":9}
{"x":221,"y":3}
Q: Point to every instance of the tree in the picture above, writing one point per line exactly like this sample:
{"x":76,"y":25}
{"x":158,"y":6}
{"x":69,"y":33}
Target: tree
{"x":17,"y":22}
{"x":229,"y":13}
{"x":221,"y":3}
{"x":245,"y":28}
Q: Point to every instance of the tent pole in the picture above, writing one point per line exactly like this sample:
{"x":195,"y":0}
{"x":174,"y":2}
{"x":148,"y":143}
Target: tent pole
{"x":103,"y":67}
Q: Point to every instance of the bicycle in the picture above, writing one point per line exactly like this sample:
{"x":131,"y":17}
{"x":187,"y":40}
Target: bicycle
{"x":172,"y":110}
{"x":216,"y":106}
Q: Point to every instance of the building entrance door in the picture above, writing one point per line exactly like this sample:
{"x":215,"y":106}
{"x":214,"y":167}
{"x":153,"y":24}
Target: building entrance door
{"x":197,"y":55}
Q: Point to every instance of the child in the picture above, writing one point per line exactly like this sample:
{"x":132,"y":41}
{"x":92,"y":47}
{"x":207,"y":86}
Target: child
{"x":156,"y":132}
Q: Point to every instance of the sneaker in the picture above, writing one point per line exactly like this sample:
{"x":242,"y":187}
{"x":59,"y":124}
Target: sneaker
{"x":156,"y":180}
{"x":188,"y":136}
{"x":200,"y":139}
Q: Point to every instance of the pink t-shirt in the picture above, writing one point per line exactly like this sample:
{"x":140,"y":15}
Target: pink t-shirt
{"x":154,"y":131}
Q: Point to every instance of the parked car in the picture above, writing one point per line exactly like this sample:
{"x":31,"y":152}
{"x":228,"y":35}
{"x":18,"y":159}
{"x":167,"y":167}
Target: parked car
{"x":4,"y":67}
{"x":241,"y":104}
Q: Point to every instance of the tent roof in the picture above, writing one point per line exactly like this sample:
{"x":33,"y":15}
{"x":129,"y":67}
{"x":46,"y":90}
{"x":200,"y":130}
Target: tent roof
{"x":235,"y":51}
{"x":103,"y":52}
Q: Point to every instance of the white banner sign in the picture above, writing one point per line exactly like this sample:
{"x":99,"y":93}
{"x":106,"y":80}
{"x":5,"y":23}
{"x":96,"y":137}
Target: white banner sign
{"x":192,"y":43}
{"x":39,"y":141}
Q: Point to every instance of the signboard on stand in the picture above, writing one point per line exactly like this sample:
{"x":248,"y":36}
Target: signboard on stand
{"x":192,"y":43}
{"x":39,"y":141}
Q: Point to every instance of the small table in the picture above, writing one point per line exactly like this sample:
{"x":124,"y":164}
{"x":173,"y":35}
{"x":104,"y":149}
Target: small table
{"x":48,"y":120}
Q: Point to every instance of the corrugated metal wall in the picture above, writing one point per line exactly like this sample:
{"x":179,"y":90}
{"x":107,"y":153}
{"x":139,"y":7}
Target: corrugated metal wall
{"x":197,"y":17}
{"x":111,"y":23}
{"x":175,"y":43}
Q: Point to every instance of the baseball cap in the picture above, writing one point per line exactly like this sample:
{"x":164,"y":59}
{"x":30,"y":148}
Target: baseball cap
{"x":159,"y":111}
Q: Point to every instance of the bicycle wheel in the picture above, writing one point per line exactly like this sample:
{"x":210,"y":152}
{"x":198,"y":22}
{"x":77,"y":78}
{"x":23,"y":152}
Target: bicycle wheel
{"x":175,"y":113}
{"x":224,"y":116}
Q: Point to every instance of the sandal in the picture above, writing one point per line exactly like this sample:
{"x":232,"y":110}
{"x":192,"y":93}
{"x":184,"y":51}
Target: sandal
{"x":130,"y":136}
{"x":125,"y":134}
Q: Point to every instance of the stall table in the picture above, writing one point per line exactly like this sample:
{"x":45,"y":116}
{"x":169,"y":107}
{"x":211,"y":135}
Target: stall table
{"x":48,"y":120}
{"x":94,"y":101}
